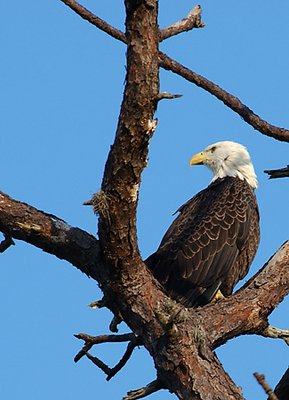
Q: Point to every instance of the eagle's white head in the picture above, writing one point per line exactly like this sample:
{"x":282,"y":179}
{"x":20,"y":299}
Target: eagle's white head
{"x":227,"y":159}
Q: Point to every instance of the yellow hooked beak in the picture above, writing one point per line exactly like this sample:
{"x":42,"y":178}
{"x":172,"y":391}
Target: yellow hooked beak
{"x":199,"y":158}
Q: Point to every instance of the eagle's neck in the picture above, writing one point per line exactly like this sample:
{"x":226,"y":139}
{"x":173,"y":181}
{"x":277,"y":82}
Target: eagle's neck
{"x":244,"y":172}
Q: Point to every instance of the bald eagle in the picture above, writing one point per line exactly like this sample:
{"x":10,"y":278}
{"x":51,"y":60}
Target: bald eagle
{"x":211,"y":244}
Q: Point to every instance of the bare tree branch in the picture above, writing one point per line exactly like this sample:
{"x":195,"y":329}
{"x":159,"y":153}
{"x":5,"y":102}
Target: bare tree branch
{"x":92,"y":340}
{"x":85,"y":349}
{"x":94,"y":20}
{"x":125,"y":337}
{"x":98,"y":303}
{"x":276,"y":333}
{"x":262,"y":381}
{"x":228,"y":99}
{"x":166,"y":95}
{"x":152,"y":387}
{"x":193,"y":20}
{"x":169,"y":64}
{"x":278,"y":173}
{"x":49,"y":233}
{"x":116,"y":320}
{"x":122,"y":362}
{"x":99,"y":363}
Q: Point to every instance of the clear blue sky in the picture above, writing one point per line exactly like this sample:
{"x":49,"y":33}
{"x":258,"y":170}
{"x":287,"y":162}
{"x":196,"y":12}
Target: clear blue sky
{"x":60,"y":92}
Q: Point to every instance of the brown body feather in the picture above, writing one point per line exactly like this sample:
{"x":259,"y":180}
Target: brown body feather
{"x":210,"y":245}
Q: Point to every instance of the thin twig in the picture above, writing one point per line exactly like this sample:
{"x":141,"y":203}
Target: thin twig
{"x":129,"y":350}
{"x":6,"y":243}
{"x":278,"y":173}
{"x":99,"y":303}
{"x":228,"y":99}
{"x":152,"y":387}
{"x":92,"y":340}
{"x":85,"y":349}
{"x":193,"y":20}
{"x":126,"y":337}
{"x":100,"y":364}
{"x":166,"y":95}
{"x":111,"y":372}
{"x":261,"y":380}
{"x":94,"y":20}
{"x":116,"y":320}
{"x":276,"y":333}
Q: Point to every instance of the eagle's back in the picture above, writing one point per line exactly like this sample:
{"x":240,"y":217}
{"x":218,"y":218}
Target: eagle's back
{"x":211,"y":243}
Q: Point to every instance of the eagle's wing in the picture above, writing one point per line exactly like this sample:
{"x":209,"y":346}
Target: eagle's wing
{"x":202,"y":249}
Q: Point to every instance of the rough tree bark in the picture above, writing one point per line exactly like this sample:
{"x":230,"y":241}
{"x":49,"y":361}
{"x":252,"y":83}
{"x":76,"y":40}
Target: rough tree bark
{"x":181,"y":341}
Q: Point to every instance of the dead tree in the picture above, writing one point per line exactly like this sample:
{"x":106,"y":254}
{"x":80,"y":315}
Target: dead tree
{"x":180,"y":341}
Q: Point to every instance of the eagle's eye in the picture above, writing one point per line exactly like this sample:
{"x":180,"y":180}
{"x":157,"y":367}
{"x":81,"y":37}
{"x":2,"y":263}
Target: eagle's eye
{"x":212,"y":149}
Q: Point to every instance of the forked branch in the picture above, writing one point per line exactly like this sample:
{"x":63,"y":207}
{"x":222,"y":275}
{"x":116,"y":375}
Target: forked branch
{"x":169,"y":64}
{"x":92,"y":340}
